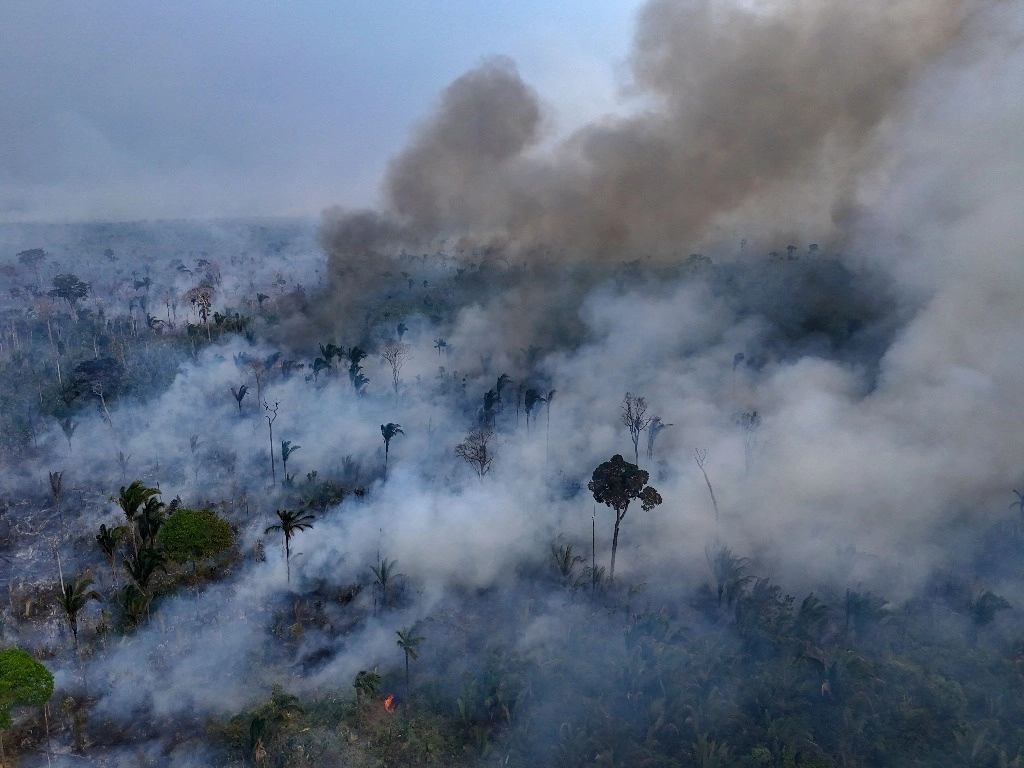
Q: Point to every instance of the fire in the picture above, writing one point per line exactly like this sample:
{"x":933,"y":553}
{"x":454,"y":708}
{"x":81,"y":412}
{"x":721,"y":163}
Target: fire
{"x":389,"y":702}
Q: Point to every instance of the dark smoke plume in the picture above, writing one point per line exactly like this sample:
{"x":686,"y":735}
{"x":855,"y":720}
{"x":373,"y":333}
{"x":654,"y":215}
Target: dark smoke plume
{"x":757,"y":117}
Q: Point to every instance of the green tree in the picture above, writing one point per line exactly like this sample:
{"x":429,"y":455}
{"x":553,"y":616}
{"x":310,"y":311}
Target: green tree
{"x":23,"y":682}
{"x":292,"y":521}
{"x":73,"y":598}
{"x":70,"y":288}
{"x":409,"y":642}
{"x":189,"y":536}
{"x":616,"y":483}
{"x":389,"y":430}
{"x":366,"y":684}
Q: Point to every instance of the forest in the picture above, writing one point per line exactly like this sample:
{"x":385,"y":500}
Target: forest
{"x":688,"y":436}
{"x":250,"y":518}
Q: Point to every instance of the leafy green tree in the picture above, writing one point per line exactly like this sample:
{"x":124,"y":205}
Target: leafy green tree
{"x":189,"y":536}
{"x":409,"y":642}
{"x":366,"y":684}
{"x":616,"y":483}
{"x":389,"y":430}
{"x":74,"y":596}
{"x":24,"y":682}
{"x":292,"y":521}
{"x":70,"y":288}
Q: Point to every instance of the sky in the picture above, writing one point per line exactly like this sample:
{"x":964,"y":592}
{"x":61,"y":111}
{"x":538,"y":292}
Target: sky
{"x":120,"y":110}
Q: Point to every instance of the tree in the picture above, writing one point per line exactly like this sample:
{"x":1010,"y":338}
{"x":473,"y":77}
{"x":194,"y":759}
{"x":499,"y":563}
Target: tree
{"x":143,"y":565}
{"x":383,"y":574}
{"x":109,"y":540}
{"x":389,"y":430}
{"x":33,"y":258}
{"x":189,"y":536}
{"x":409,"y":641}
{"x":70,"y":288}
{"x":395,"y":353}
{"x":23,"y":682}
{"x":271,"y":416}
{"x":73,"y":598}
{"x":476,"y":451}
{"x":616,"y":483}
{"x":287,"y":449}
{"x":292,"y":521}
{"x":239,"y":395}
{"x":652,"y":434}
{"x":440,"y":344}
{"x":130,"y":500}
{"x":634,"y":416}
{"x":366,"y":684}
{"x":700,"y":455}
{"x":532,"y":398}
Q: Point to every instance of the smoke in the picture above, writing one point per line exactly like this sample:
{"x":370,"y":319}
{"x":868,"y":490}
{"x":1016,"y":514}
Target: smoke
{"x":757,"y":117}
{"x":887,"y":381}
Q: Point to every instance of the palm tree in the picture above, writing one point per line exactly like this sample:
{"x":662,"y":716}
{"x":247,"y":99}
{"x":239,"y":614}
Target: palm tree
{"x":389,"y":430}
{"x":130,"y":499}
{"x":73,"y":598}
{"x":142,"y":567}
{"x":109,"y":539}
{"x":440,"y":344}
{"x":532,"y":398}
{"x":383,"y":574}
{"x":287,"y":450}
{"x":292,"y":521}
{"x":240,"y":394}
{"x":408,"y":641}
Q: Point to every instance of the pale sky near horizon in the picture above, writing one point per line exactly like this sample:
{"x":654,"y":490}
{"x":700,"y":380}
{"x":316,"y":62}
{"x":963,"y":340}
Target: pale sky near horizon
{"x":121,"y":110}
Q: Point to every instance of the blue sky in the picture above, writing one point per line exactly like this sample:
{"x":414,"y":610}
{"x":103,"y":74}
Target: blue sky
{"x":143,"y":110}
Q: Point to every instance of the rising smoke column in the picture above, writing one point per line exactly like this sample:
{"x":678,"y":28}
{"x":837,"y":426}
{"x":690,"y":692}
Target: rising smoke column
{"x":756,"y":114}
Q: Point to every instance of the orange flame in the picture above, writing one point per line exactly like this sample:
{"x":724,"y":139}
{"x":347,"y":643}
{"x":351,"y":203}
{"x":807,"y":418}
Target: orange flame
{"x":389,"y":702}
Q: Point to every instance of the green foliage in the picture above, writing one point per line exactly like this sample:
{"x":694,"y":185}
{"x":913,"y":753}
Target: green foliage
{"x":70,"y":288}
{"x":189,"y":536}
{"x":74,"y":596}
{"x":23,"y":682}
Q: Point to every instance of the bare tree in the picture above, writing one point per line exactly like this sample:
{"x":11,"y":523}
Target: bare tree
{"x":476,"y":450}
{"x":750,"y":423}
{"x":700,"y":455}
{"x":634,"y":416}
{"x":271,"y":414}
{"x":395,"y":353}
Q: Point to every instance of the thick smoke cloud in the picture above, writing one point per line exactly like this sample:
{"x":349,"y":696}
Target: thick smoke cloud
{"x":755,"y":116}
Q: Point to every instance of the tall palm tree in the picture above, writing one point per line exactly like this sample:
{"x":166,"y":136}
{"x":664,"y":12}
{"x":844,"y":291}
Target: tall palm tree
{"x":73,"y":598}
{"x":408,"y":641}
{"x":142,"y":567}
{"x":292,"y":521}
{"x":389,"y":430}
{"x":383,"y":574}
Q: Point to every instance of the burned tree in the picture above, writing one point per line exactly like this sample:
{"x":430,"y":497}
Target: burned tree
{"x":636,"y":420}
